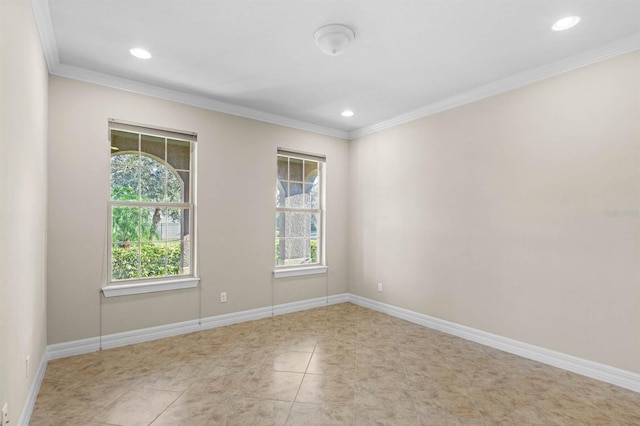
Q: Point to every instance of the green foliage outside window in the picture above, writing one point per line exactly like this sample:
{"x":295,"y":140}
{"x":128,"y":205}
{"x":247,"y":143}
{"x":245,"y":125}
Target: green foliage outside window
{"x":127,"y":222}
{"x":138,"y":248}
{"x":153,"y":260}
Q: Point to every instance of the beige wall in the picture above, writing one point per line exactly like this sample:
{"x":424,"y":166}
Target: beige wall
{"x":23,"y":199}
{"x":236,"y":173}
{"x":494,"y":215}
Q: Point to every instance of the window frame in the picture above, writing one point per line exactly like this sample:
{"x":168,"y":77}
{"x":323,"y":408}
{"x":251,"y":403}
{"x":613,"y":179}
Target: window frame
{"x":165,"y":282}
{"x":320,"y":267}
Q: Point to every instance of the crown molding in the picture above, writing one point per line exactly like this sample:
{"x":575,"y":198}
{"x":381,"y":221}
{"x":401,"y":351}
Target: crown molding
{"x":47,"y":36}
{"x":42,"y":16}
{"x":515,"y":81}
{"x":199,"y":101}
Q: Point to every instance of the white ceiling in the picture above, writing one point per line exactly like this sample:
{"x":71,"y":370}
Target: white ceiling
{"x":258,"y":58}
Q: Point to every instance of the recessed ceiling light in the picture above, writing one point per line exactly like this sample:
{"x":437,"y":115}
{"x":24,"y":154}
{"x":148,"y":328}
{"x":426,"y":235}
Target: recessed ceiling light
{"x":138,"y":52}
{"x":566,"y":23}
{"x":347,"y":113}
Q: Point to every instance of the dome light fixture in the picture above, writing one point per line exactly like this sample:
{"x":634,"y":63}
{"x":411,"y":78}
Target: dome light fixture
{"x":333,"y":39}
{"x":140,"y":53}
{"x":347,"y":113}
{"x":566,"y":23}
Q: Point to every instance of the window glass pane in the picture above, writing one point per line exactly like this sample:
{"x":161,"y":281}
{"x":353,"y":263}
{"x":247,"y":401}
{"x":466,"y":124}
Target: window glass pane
{"x":176,"y":259}
{"x":152,"y":146}
{"x":283,"y":168}
{"x":174,"y":187}
{"x":150,"y":222}
{"x":280,"y":221}
{"x":124,"y":177}
{"x":183,"y":180}
{"x":297,"y":251}
{"x":313,"y":225}
{"x":179,"y":154}
{"x":310,"y":170}
{"x":311,"y":195}
{"x":152,"y":180}
{"x":280,"y":224}
{"x":153,"y":261}
{"x":187,"y":217}
{"x":125,"y":261}
{"x":122,"y":142}
{"x":314,"y":250}
{"x":295,"y":197}
{"x":281,"y":193}
{"x":125,"y":223}
{"x":297,"y":224}
{"x":172,"y":227}
{"x":176,"y":232}
{"x":295,"y":169}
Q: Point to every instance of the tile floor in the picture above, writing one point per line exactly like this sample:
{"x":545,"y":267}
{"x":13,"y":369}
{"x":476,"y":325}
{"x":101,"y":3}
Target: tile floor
{"x":340,"y":364}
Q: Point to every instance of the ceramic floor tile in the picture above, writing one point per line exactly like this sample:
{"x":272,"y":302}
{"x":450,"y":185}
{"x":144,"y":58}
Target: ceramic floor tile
{"x":274,"y":385}
{"x":137,"y":407}
{"x":176,"y":378}
{"x":293,"y":362}
{"x":257,"y":412}
{"x":569,"y":410}
{"x":49,"y":420}
{"x":304,"y":414}
{"x":321,"y":389}
{"x":332,"y":363}
{"x":441,"y":400}
{"x":223,"y":381}
{"x":194,"y":410}
{"x":59,"y":399}
{"x":340,"y":364}
{"x":240,"y":357}
{"x":365,"y":416}
{"x":383,"y":395}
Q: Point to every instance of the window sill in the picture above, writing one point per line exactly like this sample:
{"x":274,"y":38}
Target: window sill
{"x":296,"y":272}
{"x":149,"y":287}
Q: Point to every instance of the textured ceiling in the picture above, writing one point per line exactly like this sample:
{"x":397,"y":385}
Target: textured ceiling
{"x":258,"y":58}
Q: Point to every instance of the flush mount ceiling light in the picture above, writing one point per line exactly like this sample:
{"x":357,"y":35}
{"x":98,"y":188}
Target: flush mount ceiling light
{"x":141,"y":53}
{"x":333,"y":39}
{"x":566,"y":23}
{"x":347,"y":113}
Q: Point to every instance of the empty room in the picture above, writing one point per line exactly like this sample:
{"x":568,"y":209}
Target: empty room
{"x":320,"y":212}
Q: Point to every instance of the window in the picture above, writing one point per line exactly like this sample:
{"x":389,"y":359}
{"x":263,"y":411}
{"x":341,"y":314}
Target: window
{"x":299,"y":211}
{"x":151,"y":204}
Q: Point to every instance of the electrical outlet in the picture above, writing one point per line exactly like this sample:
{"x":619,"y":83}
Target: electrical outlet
{"x":5,"y":414}
{"x":223,"y":297}
{"x":380,"y":287}
{"x":26,"y":361}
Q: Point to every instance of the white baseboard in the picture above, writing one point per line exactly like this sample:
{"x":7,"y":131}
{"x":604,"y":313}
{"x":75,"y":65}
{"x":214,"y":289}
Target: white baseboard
{"x":615,"y":376}
{"x":605,"y":373}
{"x":34,"y":389}
{"x":93,"y":344}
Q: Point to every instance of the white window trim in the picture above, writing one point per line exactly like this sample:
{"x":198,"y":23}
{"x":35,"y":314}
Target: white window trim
{"x":116,"y":290}
{"x":320,"y":267}
{"x":299,"y":271}
{"x":140,"y":286}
